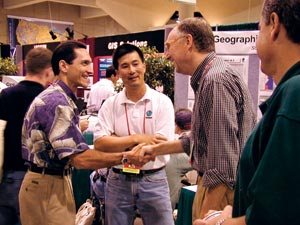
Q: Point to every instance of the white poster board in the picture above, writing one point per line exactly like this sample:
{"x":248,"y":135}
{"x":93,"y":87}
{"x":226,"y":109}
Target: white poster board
{"x":234,"y":47}
{"x":240,"y":63}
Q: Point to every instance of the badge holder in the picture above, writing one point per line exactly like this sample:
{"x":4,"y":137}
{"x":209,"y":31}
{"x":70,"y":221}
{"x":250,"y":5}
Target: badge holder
{"x":129,"y":168}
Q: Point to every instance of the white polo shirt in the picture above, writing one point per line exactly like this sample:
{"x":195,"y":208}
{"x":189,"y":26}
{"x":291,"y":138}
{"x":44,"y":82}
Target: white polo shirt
{"x":100,"y":91}
{"x":152,"y":114}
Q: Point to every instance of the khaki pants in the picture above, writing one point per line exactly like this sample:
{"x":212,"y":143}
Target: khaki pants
{"x":210,"y":199}
{"x":46,"y":200}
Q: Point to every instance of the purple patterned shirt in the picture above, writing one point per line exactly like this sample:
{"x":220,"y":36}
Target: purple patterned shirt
{"x":51,"y":130}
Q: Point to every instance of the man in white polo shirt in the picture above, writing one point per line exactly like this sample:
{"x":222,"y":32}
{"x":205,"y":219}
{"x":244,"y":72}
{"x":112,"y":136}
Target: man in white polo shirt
{"x":102,"y":90}
{"x":138,"y":114}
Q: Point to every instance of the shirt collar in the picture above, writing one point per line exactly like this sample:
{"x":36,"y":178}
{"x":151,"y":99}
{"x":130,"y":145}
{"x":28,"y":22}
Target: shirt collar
{"x":200,"y":70}
{"x":67,"y":90}
{"x":292,"y":72}
{"x":124,"y":98}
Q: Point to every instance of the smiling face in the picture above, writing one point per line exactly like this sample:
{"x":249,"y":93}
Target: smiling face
{"x":175,"y":50}
{"x":131,"y":70}
{"x":79,"y":70}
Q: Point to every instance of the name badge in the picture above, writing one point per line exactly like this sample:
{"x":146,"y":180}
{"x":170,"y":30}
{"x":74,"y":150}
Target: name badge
{"x":130,"y":168}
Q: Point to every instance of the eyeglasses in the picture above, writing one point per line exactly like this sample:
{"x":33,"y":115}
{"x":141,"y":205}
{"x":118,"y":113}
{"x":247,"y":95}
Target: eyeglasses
{"x":168,"y":43}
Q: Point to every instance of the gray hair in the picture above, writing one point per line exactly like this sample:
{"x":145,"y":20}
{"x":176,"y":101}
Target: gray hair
{"x":201,"y":32}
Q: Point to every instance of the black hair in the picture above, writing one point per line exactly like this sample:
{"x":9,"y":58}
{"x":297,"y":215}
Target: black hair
{"x":288,"y":12}
{"x":110,"y":71}
{"x":123,"y":50}
{"x":65,"y":51}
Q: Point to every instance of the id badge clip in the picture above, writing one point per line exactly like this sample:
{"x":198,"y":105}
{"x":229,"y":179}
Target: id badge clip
{"x":129,"y":168}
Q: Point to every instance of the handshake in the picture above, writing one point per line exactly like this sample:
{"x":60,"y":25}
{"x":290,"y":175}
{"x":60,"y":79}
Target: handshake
{"x":144,"y":152}
{"x":139,"y":155}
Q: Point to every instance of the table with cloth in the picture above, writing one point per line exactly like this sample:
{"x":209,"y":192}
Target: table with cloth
{"x":81,"y":178}
{"x":185,"y":205}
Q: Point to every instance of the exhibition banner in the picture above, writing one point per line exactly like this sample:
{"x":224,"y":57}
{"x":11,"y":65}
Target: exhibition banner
{"x":235,"y":42}
{"x":104,"y":46}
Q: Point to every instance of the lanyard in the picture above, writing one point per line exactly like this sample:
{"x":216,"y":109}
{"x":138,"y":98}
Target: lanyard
{"x":208,"y":65}
{"x":144,"y":121}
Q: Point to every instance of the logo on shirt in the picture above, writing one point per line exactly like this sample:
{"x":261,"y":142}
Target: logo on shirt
{"x":149,"y":114}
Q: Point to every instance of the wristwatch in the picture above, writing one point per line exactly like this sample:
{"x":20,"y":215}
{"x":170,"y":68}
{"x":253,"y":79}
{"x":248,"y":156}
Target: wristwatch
{"x":124,"y":160}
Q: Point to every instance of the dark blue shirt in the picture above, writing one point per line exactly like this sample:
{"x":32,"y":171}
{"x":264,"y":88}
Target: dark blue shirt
{"x":14,"y":102}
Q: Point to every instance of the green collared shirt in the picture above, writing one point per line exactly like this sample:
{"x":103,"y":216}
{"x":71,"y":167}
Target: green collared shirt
{"x":268,"y":186}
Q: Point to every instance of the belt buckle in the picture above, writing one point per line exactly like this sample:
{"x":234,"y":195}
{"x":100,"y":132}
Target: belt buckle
{"x":43,"y":170}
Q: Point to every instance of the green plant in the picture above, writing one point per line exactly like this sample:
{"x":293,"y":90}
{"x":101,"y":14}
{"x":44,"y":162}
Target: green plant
{"x":8,"y":66}
{"x":159,"y":72}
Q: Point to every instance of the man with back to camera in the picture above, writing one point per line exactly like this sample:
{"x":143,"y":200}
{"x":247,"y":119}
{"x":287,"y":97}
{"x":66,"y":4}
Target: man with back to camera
{"x":137,"y":114}
{"x":14,"y":102}
{"x":103,"y":89}
{"x":268,"y":186}
{"x":52,"y":142}
{"x":223,"y":115}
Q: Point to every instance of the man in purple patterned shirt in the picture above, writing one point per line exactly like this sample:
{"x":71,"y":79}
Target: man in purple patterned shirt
{"x":52,"y":142}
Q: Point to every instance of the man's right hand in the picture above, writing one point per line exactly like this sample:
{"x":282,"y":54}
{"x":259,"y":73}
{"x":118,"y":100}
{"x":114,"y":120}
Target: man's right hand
{"x":140,"y":154}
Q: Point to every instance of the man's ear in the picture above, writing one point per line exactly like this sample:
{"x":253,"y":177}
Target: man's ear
{"x":63,"y":66}
{"x":144,"y":66}
{"x":189,"y":40}
{"x":275,"y":25}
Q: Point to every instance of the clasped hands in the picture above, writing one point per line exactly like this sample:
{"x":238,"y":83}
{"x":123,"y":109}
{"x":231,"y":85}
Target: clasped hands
{"x":143,"y":152}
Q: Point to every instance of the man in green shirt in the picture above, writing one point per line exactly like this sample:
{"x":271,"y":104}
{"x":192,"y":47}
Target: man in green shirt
{"x":268,"y":186}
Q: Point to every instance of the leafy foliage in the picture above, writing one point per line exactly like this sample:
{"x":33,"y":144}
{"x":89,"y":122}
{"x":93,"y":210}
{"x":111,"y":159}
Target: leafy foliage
{"x":159,"y":71}
{"x":8,"y":66}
